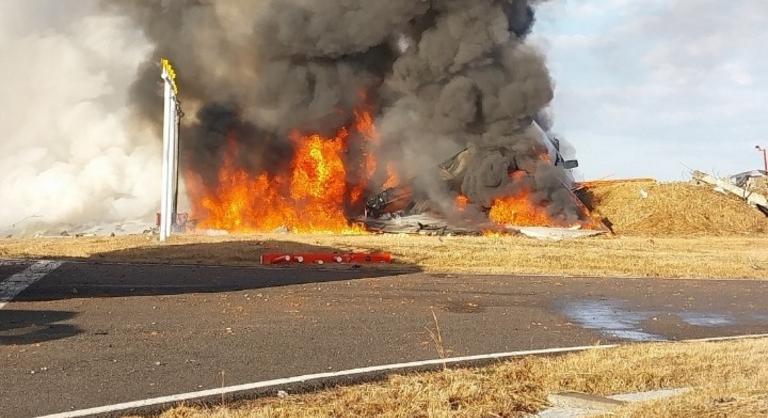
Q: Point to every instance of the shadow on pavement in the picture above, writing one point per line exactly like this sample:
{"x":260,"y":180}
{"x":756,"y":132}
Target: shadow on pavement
{"x":22,"y":327}
{"x":194,"y":268}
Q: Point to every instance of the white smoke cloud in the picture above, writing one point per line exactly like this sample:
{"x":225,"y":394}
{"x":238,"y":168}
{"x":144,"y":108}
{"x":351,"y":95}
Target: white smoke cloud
{"x":67,"y":154}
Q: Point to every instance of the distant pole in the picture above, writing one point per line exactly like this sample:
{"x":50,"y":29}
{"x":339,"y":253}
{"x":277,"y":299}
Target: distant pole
{"x":170,"y":151}
{"x":765,"y":156}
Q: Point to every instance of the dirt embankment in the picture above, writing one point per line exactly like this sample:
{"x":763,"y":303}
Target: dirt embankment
{"x":672,"y":209}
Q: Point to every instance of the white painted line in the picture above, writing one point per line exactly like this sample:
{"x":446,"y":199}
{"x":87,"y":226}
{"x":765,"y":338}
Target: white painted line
{"x":12,"y":286}
{"x":111,"y":409}
{"x":191,"y":396}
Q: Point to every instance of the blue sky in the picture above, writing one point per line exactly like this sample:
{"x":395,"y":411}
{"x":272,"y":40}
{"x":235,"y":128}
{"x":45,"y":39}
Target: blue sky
{"x":649,"y":88}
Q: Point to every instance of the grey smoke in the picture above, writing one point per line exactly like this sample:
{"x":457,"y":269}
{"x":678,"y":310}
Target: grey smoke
{"x":444,"y":75}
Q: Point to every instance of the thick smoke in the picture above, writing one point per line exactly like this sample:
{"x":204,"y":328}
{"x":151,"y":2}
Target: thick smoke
{"x":444,"y":75}
{"x":67,"y":155}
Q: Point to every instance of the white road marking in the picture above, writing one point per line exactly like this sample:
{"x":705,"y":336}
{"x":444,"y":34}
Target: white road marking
{"x":265,"y":385}
{"x":111,"y":409}
{"x":12,"y":286}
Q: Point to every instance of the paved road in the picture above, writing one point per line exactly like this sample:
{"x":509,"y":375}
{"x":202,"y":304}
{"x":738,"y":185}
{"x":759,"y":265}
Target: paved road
{"x":91,"y":335}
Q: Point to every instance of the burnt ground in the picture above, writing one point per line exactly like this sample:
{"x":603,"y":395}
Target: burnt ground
{"x":88,"y":335}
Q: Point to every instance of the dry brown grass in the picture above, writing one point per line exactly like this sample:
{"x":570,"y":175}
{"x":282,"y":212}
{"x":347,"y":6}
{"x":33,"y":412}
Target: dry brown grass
{"x":678,"y":231}
{"x":695,"y":257}
{"x":723,"y":389}
{"x":729,"y":379}
{"x":673,"y":209}
{"x":714,"y":401}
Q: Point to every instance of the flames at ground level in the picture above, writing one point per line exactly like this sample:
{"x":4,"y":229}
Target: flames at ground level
{"x":323,"y":189}
{"x":316,"y":194}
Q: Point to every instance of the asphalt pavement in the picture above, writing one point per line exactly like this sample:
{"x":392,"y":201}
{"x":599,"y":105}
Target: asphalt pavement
{"x":88,"y":335}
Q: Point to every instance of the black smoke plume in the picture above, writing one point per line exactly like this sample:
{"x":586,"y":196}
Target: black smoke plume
{"x":443,"y":75}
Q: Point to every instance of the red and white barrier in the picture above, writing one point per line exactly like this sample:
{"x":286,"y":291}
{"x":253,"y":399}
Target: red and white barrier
{"x":326,"y":258}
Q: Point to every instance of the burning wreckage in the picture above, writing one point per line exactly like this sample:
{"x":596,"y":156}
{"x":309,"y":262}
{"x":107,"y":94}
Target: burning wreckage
{"x":402,"y":209}
{"x":340,"y":117}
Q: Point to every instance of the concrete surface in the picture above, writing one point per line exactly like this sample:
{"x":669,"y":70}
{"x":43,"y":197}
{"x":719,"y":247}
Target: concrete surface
{"x":89,"y":335}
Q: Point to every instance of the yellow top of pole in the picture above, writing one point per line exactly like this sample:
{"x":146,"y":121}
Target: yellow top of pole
{"x":171,"y":74}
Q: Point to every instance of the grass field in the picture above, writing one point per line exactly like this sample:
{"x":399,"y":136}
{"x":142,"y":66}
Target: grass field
{"x":729,"y":379}
{"x":664,"y":230}
{"x":622,"y":256}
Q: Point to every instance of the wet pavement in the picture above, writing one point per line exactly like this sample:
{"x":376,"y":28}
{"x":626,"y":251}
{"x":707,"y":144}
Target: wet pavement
{"x":614,"y":319}
{"x":90,"y":335}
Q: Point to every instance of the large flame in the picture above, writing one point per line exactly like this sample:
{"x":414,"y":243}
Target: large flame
{"x":519,"y":210}
{"x":313,"y":196}
{"x":522,"y":209}
{"x":325,"y":185}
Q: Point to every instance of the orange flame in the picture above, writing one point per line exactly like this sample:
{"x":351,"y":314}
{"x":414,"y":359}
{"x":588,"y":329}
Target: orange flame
{"x":393,"y":179}
{"x":322,"y":187}
{"x":519,"y":210}
{"x":522,"y":210}
{"x":462,"y":202}
{"x":312,"y":197}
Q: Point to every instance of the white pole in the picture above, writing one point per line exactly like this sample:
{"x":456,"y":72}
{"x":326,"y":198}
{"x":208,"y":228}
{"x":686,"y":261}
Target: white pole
{"x":168,"y":120}
{"x":171,"y":119}
{"x":171,"y":187}
{"x":175,"y":182}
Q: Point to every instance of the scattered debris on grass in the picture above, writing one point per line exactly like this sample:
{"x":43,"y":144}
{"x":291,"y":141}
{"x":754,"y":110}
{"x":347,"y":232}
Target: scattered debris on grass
{"x":742,"y":186}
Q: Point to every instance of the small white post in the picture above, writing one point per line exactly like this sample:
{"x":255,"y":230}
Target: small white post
{"x":170,"y":153}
